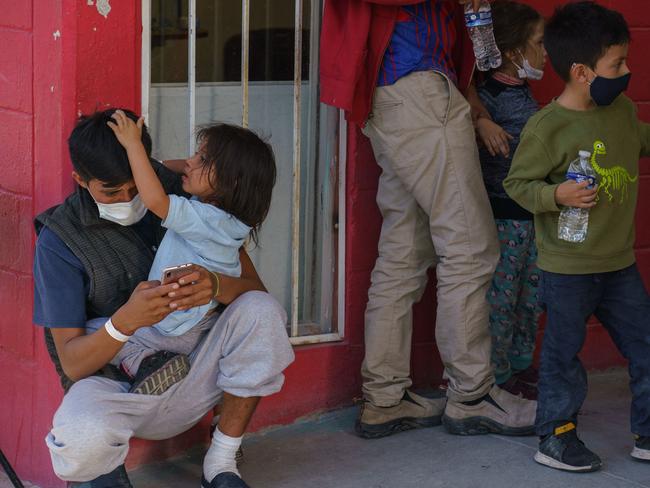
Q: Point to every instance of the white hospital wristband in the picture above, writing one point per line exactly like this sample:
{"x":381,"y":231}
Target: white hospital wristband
{"x":114,"y":333}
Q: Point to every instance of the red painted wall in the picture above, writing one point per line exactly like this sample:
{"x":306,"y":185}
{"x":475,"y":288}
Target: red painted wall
{"x":45,"y":80}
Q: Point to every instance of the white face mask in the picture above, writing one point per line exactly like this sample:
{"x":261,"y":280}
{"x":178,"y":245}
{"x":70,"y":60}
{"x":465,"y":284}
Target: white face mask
{"x":123,"y":213}
{"x":526,"y":71}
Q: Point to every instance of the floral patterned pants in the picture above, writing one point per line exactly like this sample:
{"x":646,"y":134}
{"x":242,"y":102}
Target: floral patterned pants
{"x":513,"y":299}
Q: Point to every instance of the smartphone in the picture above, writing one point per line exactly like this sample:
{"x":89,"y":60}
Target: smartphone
{"x":174,"y":273}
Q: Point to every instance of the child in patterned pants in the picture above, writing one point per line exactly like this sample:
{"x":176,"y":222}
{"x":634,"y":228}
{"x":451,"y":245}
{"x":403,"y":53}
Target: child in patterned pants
{"x":514,"y":304}
{"x":515,"y":308}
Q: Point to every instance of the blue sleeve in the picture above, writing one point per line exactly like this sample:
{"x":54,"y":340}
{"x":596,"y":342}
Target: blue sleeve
{"x":202,"y":225}
{"x":60,"y":284}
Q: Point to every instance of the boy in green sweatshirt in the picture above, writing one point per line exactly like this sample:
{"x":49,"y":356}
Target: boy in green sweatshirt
{"x":587,"y":45}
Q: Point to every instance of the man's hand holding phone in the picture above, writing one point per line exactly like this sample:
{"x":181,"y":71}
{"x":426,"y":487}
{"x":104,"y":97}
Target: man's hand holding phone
{"x":175,"y":273}
{"x":195,"y":286}
{"x":148,"y":304}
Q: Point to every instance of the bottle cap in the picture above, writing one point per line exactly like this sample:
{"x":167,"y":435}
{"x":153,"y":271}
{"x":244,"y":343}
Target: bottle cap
{"x":584,"y":154}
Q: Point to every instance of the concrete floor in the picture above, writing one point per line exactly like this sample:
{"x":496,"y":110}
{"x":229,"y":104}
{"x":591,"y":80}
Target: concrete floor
{"x":325,"y":453}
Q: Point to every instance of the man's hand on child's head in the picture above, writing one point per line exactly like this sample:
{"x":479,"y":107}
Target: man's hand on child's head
{"x":128,"y":132}
{"x":573,"y":194}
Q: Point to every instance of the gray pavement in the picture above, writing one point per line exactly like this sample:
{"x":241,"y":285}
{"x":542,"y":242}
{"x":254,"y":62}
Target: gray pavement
{"x":324,"y":452}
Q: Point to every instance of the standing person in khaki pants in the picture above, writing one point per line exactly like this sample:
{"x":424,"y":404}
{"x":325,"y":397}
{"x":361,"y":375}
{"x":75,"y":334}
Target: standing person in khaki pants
{"x":394,"y":66}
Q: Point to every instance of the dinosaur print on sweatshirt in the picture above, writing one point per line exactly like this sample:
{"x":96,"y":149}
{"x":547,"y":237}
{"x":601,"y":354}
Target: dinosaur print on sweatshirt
{"x":612,"y":180}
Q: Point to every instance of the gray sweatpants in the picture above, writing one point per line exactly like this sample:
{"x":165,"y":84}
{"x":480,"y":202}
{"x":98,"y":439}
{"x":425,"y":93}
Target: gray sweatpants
{"x":243,"y":353}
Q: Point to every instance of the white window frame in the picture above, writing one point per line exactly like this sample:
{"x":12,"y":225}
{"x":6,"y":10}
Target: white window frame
{"x":341,"y":155}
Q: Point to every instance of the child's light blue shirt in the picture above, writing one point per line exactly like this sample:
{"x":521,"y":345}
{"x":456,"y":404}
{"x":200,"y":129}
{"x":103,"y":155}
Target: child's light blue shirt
{"x":202,"y":234}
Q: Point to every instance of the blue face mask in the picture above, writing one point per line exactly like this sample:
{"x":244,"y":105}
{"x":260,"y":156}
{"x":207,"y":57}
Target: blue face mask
{"x":605,"y":90}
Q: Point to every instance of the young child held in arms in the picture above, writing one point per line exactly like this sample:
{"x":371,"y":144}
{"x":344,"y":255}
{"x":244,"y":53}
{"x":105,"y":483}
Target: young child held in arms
{"x":588,"y":46}
{"x":231,"y":179}
{"x":514,"y":305}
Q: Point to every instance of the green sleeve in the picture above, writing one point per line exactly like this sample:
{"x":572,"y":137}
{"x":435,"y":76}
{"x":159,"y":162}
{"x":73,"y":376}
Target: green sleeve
{"x":526,"y":182}
{"x":644,"y":136}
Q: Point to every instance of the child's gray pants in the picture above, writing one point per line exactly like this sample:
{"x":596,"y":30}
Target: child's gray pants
{"x":243,"y":353}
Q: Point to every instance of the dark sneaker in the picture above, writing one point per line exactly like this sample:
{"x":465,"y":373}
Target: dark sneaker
{"x":530,"y":376}
{"x":224,"y":480}
{"x":115,"y":479}
{"x":641,"y":449}
{"x":498,"y":412}
{"x":563,"y":450}
{"x":158,"y":372}
{"x":412,"y":412}
{"x":518,"y":388}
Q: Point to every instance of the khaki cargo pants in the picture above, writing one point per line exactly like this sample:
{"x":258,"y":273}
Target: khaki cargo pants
{"x":435,"y":211}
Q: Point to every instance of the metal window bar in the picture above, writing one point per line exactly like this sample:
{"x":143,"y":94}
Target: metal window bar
{"x":146,"y":59}
{"x":295,"y":223}
{"x":191,"y":73}
{"x":297,"y":80}
{"x":245,"y":41}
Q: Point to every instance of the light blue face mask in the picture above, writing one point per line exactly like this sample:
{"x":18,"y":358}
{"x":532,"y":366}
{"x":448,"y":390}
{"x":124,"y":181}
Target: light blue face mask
{"x":526,"y":71}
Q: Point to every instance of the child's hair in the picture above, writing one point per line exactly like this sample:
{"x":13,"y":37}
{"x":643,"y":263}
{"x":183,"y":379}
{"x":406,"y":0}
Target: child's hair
{"x":513,"y":24}
{"x":241,"y":171}
{"x":581,"y":33}
{"x":95,"y":151}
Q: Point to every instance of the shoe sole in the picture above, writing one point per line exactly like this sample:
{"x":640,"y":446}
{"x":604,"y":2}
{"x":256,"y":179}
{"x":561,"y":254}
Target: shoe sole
{"x":555,"y":464}
{"x":164,"y":378}
{"x":376,"y":431}
{"x":640,"y":454}
{"x":481,"y":426}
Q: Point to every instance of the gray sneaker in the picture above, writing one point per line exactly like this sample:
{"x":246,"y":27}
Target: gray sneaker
{"x":159,"y":372}
{"x":498,"y":412}
{"x":412,"y":412}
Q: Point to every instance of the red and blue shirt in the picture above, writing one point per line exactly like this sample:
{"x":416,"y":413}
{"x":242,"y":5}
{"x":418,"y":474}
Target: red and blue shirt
{"x":422,"y":40}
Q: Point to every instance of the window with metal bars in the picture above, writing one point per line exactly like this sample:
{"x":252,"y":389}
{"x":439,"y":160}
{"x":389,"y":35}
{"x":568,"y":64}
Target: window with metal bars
{"x":255,"y":63}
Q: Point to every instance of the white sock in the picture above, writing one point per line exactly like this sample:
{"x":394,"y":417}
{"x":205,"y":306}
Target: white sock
{"x":221,"y":455}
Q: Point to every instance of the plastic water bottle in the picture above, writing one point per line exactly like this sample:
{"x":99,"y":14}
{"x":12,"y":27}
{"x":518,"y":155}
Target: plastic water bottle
{"x":573,"y":222}
{"x":479,"y":26}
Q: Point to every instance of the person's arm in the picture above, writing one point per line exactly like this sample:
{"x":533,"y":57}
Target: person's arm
{"x":644,"y":136}
{"x":82,"y":354}
{"x":527,"y":184}
{"x":231,"y":288}
{"x":495,"y":139}
{"x":478,"y":109}
{"x":151,"y":191}
{"x":201,"y":286}
{"x":60,"y":290}
{"x":175,"y":165}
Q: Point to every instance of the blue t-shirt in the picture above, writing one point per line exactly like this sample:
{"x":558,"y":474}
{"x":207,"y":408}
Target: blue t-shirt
{"x":61,"y":283}
{"x":197,"y":233}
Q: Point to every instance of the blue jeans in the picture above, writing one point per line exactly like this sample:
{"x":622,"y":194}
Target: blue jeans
{"x":621,"y":303}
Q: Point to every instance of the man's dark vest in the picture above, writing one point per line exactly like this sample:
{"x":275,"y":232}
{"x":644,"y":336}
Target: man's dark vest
{"x":115,"y":257}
